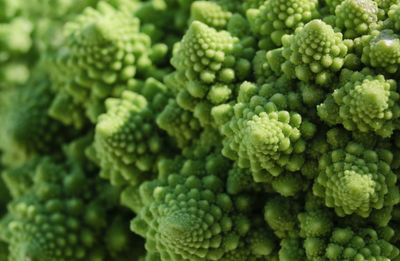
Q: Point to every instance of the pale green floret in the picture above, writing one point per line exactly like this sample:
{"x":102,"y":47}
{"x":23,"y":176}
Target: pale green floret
{"x":394,"y":16}
{"x":364,"y":103}
{"x":15,"y":36}
{"x":355,"y":180}
{"x":106,"y":50}
{"x":381,"y":50}
{"x":262,"y":134}
{"x":127,"y":144}
{"x":208,"y":64}
{"x":355,"y":17}
{"x":205,"y":55}
{"x":278,"y":17}
{"x":370,"y":105}
{"x":313,"y":53}
{"x":210,"y":13}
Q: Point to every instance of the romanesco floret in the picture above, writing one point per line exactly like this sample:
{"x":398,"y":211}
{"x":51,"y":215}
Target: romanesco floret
{"x":179,"y":123}
{"x":126,"y":143}
{"x":275,"y":18}
{"x":314,"y":53}
{"x":367,"y":103}
{"x":208,"y":63}
{"x":262,"y":133}
{"x":106,"y":50}
{"x":189,"y":216}
{"x":205,"y":55}
{"x":210,"y":13}
{"x":192,"y":216}
{"x":394,"y":16}
{"x":381,"y":50}
{"x":356,"y":17}
{"x":356,"y":180}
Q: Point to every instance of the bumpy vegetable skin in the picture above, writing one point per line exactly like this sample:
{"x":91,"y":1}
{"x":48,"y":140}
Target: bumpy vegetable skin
{"x":199,"y":130}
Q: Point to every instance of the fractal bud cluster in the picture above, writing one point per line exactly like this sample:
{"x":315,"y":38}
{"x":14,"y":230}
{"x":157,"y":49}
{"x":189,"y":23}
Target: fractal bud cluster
{"x":184,"y":130}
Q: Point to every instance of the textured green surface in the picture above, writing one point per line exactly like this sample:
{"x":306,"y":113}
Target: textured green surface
{"x":188,"y":130}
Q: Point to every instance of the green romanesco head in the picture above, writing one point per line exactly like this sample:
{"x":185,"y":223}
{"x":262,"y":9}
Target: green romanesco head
{"x":262,"y":133}
{"x":313,"y":53}
{"x":190,"y":217}
{"x":394,"y":16}
{"x":275,"y":18}
{"x":356,"y":17}
{"x":210,"y":13}
{"x":366,"y":103}
{"x":208,"y":64}
{"x":106,"y":50}
{"x":53,"y":220}
{"x":356,"y":180}
{"x":127,"y":144}
{"x":205,"y":55}
{"x":381,"y":50}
